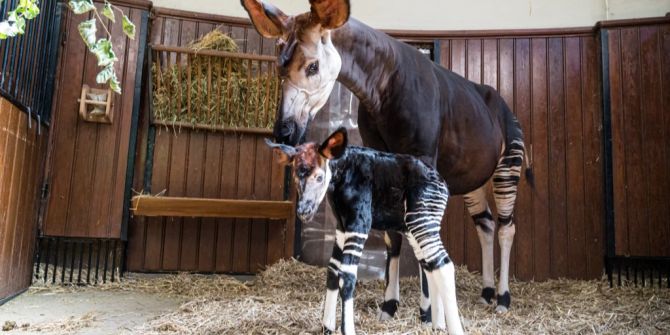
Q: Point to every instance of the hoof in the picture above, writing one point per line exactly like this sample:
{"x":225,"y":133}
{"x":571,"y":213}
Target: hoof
{"x":383,"y":316}
{"x":487,"y":295}
{"x":503,"y":302}
{"x":501,"y":309}
{"x":425,"y":316}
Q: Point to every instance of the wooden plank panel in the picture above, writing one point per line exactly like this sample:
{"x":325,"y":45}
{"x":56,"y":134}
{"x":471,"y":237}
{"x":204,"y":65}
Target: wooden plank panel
{"x":277,"y":230}
{"x":557,"y":178}
{"x":458,"y":57}
{"x":261,"y":190}
{"x":523,"y":244}
{"x":64,"y":136}
{"x":175,"y":187}
{"x":16,"y":188}
{"x":537,"y":153}
{"x":211,"y":189}
{"x":653,"y":138}
{"x":490,"y":63}
{"x":593,"y":157}
{"x":5,"y":119}
{"x":229,"y":173}
{"x":618,"y":142}
{"x":575,"y":162}
{"x":155,"y":227}
{"x":664,"y":229}
{"x":636,"y":200}
{"x":8,"y":183}
{"x":245,"y":180}
{"x":194,"y":186}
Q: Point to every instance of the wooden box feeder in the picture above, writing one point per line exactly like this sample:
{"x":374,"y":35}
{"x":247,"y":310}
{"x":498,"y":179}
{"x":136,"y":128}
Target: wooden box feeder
{"x":95,"y":105}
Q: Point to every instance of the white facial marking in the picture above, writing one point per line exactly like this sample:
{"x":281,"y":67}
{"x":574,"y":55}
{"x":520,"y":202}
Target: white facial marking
{"x":305,"y":91}
{"x":315,"y":189}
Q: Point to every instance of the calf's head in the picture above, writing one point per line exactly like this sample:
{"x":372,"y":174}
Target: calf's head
{"x":308,"y":62}
{"x":311,"y":173}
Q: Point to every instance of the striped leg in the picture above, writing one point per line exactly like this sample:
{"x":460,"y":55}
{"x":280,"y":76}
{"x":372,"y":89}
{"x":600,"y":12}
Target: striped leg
{"x":332,"y":285}
{"x":425,"y":208}
{"x":505,"y":182}
{"x":424,"y":302}
{"x":481,"y":214}
{"x":351,"y":254}
{"x":393,"y":241}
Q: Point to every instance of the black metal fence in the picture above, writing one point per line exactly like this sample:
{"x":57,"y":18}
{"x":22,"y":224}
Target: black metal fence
{"x":28,"y":62}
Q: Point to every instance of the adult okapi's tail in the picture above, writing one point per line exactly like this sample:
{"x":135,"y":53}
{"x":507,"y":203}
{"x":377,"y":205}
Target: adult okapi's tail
{"x":530,"y":177}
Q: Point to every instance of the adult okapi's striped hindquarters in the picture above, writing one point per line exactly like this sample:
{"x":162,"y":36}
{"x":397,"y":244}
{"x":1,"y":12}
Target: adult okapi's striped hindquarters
{"x":505,"y":183}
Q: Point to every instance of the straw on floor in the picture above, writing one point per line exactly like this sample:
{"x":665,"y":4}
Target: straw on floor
{"x":287,"y":298}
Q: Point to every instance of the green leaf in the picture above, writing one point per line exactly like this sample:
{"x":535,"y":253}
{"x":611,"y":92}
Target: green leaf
{"x":114,"y":84}
{"x":29,"y":9}
{"x":87,"y":30}
{"x":108,"y":12}
{"x":105,"y":74}
{"x":103,"y":50}
{"x":128,"y":27}
{"x":81,"y":6}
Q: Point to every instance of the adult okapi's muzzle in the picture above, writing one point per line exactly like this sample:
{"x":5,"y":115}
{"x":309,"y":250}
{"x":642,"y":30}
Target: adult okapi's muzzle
{"x":288,"y":132}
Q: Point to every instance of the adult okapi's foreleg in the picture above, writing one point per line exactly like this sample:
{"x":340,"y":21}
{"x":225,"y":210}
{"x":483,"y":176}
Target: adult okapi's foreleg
{"x":480,"y":212}
{"x":505,"y":181}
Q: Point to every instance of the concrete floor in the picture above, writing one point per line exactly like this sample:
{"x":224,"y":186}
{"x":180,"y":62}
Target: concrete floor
{"x":113,"y":312}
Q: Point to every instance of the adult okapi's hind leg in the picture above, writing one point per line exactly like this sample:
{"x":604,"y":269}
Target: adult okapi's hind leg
{"x":505,"y":181}
{"x":480,"y":212}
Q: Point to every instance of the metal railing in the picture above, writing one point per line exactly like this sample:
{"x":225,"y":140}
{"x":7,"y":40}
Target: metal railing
{"x":28,"y":61}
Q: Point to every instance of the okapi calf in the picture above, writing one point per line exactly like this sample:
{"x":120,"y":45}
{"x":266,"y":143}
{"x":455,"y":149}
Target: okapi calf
{"x":370,"y":189}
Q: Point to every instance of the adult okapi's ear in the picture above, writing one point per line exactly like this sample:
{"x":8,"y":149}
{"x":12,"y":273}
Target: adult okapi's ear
{"x":283,"y":153}
{"x":335,"y":145}
{"x":330,"y":14}
{"x":269,"y":21}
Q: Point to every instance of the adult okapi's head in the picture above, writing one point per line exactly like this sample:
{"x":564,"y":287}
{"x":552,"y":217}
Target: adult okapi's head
{"x":310,"y":169}
{"x":308,"y":63}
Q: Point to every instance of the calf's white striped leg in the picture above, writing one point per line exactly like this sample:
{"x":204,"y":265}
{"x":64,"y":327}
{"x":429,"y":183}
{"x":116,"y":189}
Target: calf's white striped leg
{"x":351,"y":253}
{"x":424,"y":299}
{"x":332,"y":285}
{"x":480,"y":212}
{"x":393,"y":242}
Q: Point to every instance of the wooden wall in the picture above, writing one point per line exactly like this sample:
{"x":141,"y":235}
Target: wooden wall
{"x":639,"y":81}
{"x":22,"y":150}
{"x":550,"y":79}
{"x":87,"y":161}
{"x":207,"y":164}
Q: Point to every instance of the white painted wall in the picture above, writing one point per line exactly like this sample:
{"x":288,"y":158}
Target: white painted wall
{"x":459,"y":14}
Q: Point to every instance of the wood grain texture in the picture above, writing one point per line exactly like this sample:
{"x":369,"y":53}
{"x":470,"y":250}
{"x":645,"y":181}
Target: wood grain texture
{"x":22,"y":153}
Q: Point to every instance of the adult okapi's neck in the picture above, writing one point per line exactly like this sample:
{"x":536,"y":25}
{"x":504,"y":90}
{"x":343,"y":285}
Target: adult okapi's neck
{"x":368,"y":61}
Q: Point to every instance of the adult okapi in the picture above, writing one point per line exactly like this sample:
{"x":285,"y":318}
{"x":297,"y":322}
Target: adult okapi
{"x":408,"y":105}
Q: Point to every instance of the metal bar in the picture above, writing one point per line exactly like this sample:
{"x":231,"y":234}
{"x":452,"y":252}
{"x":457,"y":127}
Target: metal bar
{"x":81,"y":260}
{"x":97,"y":260}
{"x":40,"y":244}
{"x":88,"y":268}
{"x":46,"y":262}
{"x":113,"y":260}
{"x":134,"y":120}
{"x":104,"y":276}
{"x":607,"y":143}
{"x":52,"y":56}
{"x":215,"y":53}
{"x":53,"y":279}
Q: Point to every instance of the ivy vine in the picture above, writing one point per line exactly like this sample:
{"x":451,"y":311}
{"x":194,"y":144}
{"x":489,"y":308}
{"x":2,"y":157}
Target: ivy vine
{"x":15,"y":23}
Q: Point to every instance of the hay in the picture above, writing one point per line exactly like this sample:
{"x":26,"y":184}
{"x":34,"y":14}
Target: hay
{"x":215,"y":91}
{"x":71,"y":325}
{"x":287,"y":298}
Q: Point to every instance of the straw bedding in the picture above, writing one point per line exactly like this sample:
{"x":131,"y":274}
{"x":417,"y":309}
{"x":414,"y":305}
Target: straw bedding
{"x":287,"y":299}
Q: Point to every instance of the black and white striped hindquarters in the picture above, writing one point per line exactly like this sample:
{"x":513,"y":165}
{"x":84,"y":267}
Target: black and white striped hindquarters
{"x":506,"y":179}
{"x":423,"y":217}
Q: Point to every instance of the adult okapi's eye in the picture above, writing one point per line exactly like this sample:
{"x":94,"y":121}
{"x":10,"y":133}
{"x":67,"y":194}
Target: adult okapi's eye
{"x":319,"y":178}
{"x":312,"y":69}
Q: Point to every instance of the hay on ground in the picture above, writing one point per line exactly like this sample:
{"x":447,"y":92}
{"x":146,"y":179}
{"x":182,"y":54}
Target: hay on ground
{"x":288,"y":297}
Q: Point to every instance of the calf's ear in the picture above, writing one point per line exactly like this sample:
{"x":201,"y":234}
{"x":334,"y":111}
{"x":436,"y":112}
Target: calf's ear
{"x":283,"y":153}
{"x":335,"y":145}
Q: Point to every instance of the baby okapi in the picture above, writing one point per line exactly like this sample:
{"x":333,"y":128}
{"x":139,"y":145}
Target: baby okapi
{"x":370,"y":189}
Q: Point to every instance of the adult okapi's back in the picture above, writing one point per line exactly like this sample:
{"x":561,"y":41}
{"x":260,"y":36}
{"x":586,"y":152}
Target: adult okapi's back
{"x":408,"y":104}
